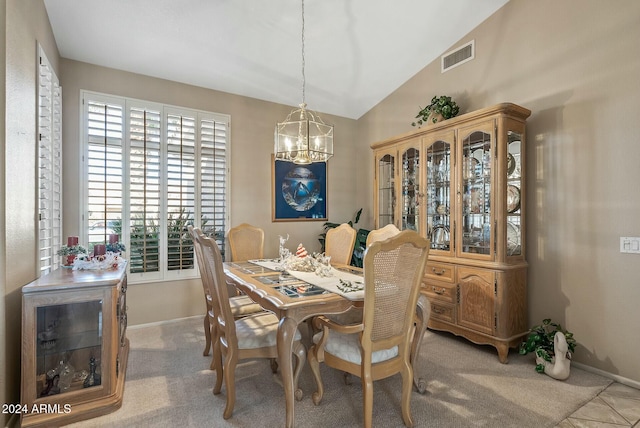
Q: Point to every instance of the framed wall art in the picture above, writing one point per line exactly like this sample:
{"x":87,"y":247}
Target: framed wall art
{"x":299,"y":192}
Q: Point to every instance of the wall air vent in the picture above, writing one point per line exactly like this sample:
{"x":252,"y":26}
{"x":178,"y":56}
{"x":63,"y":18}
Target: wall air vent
{"x":458,"y":56}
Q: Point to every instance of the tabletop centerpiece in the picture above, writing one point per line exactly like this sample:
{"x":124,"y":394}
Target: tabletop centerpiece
{"x":105,"y":256}
{"x":301,"y":261}
{"x":70,"y":251}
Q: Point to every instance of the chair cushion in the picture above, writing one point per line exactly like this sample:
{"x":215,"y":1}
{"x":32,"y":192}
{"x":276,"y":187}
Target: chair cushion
{"x":243,"y":305}
{"x":347,"y":347}
{"x":259,"y":331}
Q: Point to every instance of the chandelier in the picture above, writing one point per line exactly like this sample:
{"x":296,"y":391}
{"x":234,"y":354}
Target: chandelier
{"x":303,"y":137}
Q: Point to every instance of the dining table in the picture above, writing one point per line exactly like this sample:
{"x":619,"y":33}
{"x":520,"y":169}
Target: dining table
{"x":293,"y":301}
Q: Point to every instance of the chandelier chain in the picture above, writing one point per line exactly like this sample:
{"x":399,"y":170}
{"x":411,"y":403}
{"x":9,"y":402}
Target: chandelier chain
{"x":303,"y":76}
{"x":303,"y":138}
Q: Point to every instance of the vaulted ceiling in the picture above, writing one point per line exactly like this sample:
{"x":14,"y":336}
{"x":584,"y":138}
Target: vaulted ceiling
{"x":356,"y":51}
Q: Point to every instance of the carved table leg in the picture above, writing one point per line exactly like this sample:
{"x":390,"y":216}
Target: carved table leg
{"x":286,"y":333}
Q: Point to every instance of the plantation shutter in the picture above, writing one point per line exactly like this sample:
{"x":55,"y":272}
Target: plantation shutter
{"x":145,"y":201}
{"x":213,"y":178}
{"x":49,"y":165}
{"x":105,"y":131}
{"x":181,"y":163}
{"x":160,"y":168}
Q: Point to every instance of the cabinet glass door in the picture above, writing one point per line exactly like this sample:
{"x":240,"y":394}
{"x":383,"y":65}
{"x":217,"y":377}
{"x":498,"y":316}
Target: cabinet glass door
{"x":438,"y":194}
{"x":514,"y":189}
{"x":477,"y":164}
{"x":410,"y":189}
{"x":69,"y":347}
{"x":386,"y":191}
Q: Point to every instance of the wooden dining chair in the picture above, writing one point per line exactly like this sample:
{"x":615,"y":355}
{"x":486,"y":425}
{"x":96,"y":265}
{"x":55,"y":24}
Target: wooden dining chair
{"x":423,"y":311}
{"x":381,"y":234}
{"x":354,"y":315}
{"x":241,"y":305}
{"x":380,"y":346}
{"x":339,"y":243}
{"x":250,"y":337}
{"x":246,"y":242}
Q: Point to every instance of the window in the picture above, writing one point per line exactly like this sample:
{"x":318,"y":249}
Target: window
{"x":161,"y":168}
{"x":49,"y":165}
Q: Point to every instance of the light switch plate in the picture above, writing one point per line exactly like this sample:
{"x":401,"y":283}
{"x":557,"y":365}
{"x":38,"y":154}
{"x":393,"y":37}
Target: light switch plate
{"x":630,"y":244}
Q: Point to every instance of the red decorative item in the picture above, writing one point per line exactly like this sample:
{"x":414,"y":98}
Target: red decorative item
{"x":72,"y":241}
{"x":113,"y":238}
{"x":301,"y":252}
{"x":99,"y":250}
{"x":69,"y":259}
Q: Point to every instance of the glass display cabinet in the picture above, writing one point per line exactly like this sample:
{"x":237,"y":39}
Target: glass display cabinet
{"x":438,"y":198}
{"x":74,"y":345}
{"x":399,"y":184}
{"x":460,"y":185}
{"x":410,"y":186}
{"x":385,"y":195}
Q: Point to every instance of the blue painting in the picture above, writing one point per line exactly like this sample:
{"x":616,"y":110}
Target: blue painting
{"x":299,"y":191}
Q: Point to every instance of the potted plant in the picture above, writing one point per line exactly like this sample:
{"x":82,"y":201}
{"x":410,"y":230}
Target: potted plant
{"x":69,"y":253}
{"x":543,"y":342}
{"x":440,"y":108}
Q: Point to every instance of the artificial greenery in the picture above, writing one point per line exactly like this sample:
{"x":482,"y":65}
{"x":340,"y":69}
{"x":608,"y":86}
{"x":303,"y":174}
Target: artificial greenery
{"x":540,"y":341}
{"x":348,"y":286}
{"x":442,"y":105}
{"x":117,"y":247}
{"x":73,"y":250}
{"x":145,"y":241}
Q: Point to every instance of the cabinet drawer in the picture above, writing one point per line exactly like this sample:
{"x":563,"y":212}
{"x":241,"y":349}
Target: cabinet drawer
{"x":440,"y":271}
{"x":442,"y":311}
{"x":440,"y":291}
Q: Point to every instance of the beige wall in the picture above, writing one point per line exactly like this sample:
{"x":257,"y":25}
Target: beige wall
{"x":575,"y":64}
{"x":26,"y":23}
{"x":252,"y":126}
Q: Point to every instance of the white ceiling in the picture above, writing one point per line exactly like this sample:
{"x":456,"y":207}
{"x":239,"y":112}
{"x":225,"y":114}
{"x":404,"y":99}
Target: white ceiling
{"x":356,"y":51}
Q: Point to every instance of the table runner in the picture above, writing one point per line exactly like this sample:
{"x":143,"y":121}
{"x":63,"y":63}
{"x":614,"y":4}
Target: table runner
{"x":329,"y":283}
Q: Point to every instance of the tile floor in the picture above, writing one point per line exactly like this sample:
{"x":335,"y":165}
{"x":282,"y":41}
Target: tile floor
{"x":615,"y":407}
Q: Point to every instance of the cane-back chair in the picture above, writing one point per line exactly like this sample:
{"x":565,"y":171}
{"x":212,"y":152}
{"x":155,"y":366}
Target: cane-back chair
{"x":383,"y":233}
{"x":246,"y":242}
{"x":380,"y":346}
{"x":250,"y":337}
{"x":241,"y":305}
{"x":339,"y":242}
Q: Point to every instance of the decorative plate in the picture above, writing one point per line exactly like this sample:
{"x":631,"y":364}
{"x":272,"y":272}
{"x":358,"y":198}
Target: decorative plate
{"x":440,"y":236}
{"x":470,"y":165}
{"x":513,"y":198}
{"x":513,"y":238}
{"x":478,"y":154}
{"x":511,"y":164}
{"x":513,"y":158}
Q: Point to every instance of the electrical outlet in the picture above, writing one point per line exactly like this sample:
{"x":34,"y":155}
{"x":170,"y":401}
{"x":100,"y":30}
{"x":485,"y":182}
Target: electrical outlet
{"x":630,"y":245}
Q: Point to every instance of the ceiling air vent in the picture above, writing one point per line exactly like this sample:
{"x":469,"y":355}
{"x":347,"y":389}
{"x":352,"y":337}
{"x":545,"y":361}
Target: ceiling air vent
{"x":458,"y":56}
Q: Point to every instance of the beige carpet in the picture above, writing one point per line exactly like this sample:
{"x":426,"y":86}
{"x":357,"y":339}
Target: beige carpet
{"x":169,"y":385}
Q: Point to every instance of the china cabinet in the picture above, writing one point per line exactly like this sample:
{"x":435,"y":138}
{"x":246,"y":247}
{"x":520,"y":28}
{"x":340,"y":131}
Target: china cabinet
{"x":460,"y":183}
{"x":74,"y":346}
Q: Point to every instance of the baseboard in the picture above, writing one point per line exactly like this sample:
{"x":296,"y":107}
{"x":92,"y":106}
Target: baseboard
{"x":156,"y":323}
{"x":619,"y":379}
